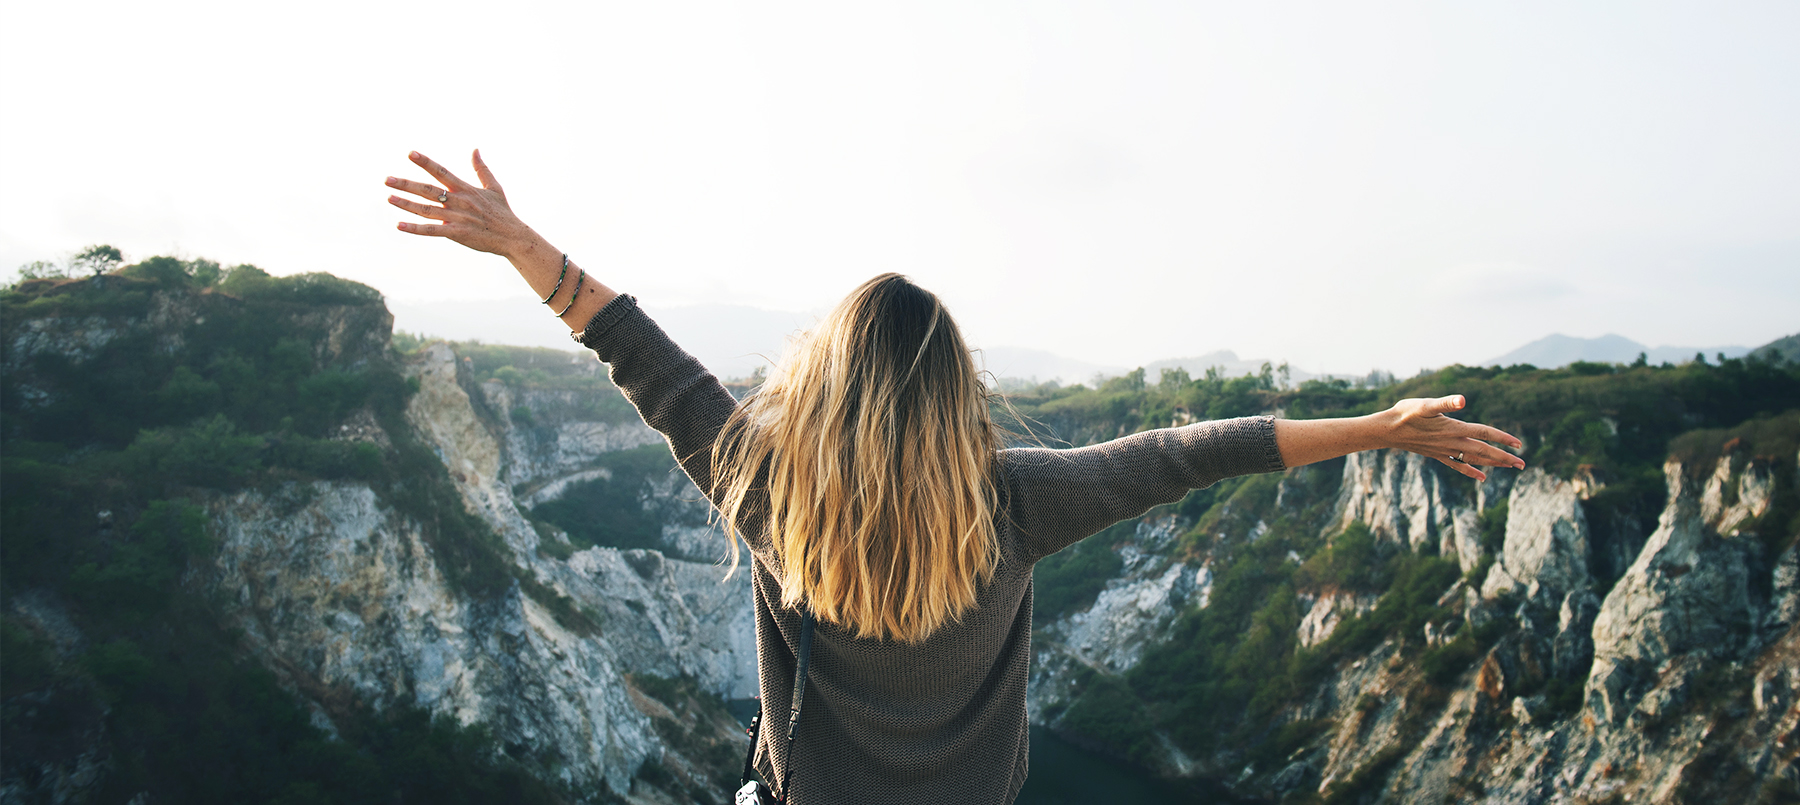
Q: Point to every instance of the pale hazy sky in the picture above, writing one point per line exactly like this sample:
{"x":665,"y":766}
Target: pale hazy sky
{"x":1344,"y":185}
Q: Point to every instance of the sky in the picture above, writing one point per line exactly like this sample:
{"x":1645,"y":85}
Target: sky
{"x":1343,"y":186}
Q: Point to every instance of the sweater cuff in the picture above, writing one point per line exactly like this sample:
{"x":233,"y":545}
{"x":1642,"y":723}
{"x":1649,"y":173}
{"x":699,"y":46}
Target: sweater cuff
{"x":1271,"y":451}
{"x":597,"y":327}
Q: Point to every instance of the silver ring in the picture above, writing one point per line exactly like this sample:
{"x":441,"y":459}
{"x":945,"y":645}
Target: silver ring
{"x":444,"y":197}
{"x":1459,"y":458}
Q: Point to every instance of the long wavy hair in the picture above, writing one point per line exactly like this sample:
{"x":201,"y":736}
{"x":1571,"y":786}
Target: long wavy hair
{"x":876,"y":451}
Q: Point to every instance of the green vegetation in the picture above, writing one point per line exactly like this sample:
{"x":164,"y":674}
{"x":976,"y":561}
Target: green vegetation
{"x":1611,"y":417}
{"x":190,"y":724}
{"x":699,"y":728}
{"x":1127,"y":404}
{"x":1349,"y":563}
{"x":1070,"y":580}
{"x":612,"y":510}
{"x":591,"y":396}
{"x":106,"y":446}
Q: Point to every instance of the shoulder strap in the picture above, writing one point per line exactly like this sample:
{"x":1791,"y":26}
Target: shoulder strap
{"x":803,"y":658}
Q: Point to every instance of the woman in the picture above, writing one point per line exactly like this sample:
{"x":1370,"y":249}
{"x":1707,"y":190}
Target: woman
{"x":869,"y":483}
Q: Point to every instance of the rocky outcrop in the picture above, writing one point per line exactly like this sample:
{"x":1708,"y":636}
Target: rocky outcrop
{"x":344,"y":596}
{"x":1675,"y":684}
{"x":1408,"y":499}
{"x":1328,"y":609}
{"x":1136,"y":609}
{"x":1392,"y":493}
{"x":1546,"y":540}
{"x":1689,"y":591}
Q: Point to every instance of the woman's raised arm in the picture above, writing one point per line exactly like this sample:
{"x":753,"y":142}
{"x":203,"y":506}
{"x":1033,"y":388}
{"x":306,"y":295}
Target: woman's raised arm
{"x":481,"y":219}
{"x":1417,"y":425}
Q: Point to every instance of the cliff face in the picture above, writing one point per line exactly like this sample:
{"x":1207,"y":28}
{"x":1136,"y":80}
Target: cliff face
{"x":1678,"y":683}
{"x":340,"y":591}
{"x":603,"y":667}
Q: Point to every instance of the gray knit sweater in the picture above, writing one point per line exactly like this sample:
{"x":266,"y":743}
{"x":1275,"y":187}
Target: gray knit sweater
{"x":942,"y":721}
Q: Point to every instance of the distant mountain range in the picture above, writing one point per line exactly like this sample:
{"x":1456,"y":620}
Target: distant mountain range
{"x":1039,"y":366}
{"x":1553,"y":351}
{"x":733,"y":340}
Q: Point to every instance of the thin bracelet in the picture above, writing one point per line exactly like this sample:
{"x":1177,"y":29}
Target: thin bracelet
{"x":575,"y":294}
{"x":559,"y":279}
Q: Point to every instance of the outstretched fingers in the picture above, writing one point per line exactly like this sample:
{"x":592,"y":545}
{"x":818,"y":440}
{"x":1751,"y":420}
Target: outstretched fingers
{"x":1464,"y":467}
{"x":420,"y":189}
{"x":430,"y":230}
{"x":439,"y":172}
{"x":421,"y":210}
{"x":1478,"y":452}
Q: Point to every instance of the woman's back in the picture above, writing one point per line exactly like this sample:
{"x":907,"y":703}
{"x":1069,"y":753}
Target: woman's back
{"x":941,"y":719}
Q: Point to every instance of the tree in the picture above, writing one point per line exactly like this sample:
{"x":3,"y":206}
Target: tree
{"x":42,"y":269}
{"x":96,"y":259}
{"x":1174,"y":380}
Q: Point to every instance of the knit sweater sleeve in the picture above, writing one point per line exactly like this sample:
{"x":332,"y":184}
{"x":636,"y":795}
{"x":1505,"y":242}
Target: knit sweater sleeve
{"x":1057,"y":497}
{"x":670,"y":389}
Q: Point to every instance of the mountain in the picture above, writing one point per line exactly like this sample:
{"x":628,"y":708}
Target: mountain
{"x":1038,"y":366}
{"x":1784,"y":349}
{"x":1557,"y":350}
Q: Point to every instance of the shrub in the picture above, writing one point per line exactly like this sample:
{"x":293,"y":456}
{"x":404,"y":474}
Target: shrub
{"x":1350,"y":562}
{"x":1069,"y":580}
{"x":611,"y":511}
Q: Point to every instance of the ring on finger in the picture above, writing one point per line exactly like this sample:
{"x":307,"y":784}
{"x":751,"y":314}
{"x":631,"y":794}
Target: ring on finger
{"x":444,"y":197}
{"x":1458,"y":458}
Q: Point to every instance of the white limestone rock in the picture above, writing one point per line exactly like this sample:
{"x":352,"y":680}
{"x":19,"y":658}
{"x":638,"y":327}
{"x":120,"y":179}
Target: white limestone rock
{"x":1689,"y":590}
{"x":1326,"y":611}
{"x":1546,"y":540}
{"x":1397,"y":496}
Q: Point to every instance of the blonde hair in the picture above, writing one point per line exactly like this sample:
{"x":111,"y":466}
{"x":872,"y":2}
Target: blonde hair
{"x":875,"y":449}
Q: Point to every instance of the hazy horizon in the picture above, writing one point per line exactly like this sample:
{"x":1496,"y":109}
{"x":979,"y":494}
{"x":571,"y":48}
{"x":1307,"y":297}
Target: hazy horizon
{"x":732,"y":340}
{"x":1114,"y":183}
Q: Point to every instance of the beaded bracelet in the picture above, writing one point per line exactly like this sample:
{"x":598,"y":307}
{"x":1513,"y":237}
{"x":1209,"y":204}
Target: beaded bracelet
{"x":575,"y":294}
{"x":559,"y":279}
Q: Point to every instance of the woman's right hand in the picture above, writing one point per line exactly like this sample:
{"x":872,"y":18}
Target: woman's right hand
{"x":1418,"y":425}
{"x":476,"y":217}
{"x":481,"y":219}
{"x":1423,"y":426}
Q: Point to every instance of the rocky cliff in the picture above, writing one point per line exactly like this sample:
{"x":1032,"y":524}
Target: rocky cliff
{"x":1675,"y":682}
{"x":602,"y":669}
{"x":341,"y":591}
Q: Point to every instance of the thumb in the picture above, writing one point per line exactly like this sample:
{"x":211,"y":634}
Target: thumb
{"x":1445,"y":405}
{"x":481,"y":172}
